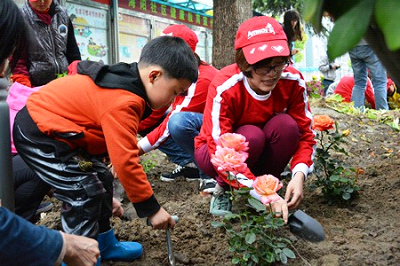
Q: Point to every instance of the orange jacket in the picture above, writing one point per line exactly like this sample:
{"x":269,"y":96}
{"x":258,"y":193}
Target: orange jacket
{"x":108,"y":119}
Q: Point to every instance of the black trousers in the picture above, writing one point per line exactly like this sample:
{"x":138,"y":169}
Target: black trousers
{"x":82,"y":182}
{"x":29,"y":189}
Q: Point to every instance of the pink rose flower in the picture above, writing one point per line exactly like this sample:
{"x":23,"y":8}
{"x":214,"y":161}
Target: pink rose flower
{"x":234,"y":141}
{"x":267,"y":186}
{"x":227,"y":159}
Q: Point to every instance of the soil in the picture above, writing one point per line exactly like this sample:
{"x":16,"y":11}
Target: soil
{"x":367,"y":232}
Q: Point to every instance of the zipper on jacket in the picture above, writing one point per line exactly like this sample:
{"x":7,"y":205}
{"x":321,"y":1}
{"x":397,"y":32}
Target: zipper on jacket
{"x":54,"y":50}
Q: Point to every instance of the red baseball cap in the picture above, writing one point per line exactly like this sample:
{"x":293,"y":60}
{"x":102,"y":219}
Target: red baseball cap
{"x":183,"y":32}
{"x":260,"y":38}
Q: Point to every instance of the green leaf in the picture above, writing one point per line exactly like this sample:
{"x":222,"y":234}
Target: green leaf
{"x":313,"y":10}
{"x":235,"y":261}
{"x":346,"y":196}
{"x":217,"y":224}
{"x":246,"y":256}
{"x":289,"y":253}
{"x":283,"y":258}
{"x":387,"y":14}
{"x":250,"y":238}
{"x":334,"y":178}
{"x":350,"y":28}
{"x":255,"y":258}
{"x":256,"y":204}
{"x":281,"y":245}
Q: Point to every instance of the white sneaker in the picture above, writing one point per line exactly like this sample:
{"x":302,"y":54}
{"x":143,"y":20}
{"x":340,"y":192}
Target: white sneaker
{"x":207,"y":185}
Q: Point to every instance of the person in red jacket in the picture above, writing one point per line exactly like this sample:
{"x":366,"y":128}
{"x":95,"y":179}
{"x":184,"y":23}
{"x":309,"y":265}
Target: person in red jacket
{"x":264,"y":99}
{"x":345,"y":88}
{"x":175,"y":135}
{"x":63,"y":134}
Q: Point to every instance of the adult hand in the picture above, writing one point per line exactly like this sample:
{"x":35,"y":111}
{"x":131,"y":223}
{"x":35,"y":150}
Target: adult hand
{"x":294,"y":191}
{"x":295,"y":51}
{"x":117,"y":209}
{"x":161,"y":220}
{"x":80,"y":250}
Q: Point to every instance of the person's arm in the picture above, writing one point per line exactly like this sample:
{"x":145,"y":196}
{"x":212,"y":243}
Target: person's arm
{"x":73,"y":52}
{"x":19,"y":236}
{"x":120,"y":125}
{"x":324,"y":64}
{"x":20,"y":72}
{"x":160,"y":134}
{"x":302,"y":160}
{"x":331,"y":88}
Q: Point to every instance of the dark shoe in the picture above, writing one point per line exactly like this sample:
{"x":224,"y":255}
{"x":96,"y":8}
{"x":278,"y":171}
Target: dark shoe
{"x":112,"y":249}
{"x":207,"y":185}
{"x":190,"y":173}
{"x":44,"y":207}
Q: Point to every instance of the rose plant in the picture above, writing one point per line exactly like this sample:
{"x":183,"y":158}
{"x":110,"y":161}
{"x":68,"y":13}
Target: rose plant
{"x":254,"y":240}
{"x":338,"y":182}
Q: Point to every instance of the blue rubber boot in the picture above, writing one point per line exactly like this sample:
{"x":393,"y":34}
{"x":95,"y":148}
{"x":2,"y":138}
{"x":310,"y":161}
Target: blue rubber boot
{"x":112,"y":249}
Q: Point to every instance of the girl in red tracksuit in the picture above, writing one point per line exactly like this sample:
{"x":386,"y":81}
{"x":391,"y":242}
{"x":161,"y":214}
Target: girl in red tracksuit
{"x":175,"y":135}
{"x":263,"y":99}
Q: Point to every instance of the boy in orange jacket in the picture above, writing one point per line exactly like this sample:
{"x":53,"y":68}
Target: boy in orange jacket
{"x":72,"y":122}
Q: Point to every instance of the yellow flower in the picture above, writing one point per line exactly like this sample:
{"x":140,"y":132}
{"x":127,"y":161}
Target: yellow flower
{"x":346,"y":132}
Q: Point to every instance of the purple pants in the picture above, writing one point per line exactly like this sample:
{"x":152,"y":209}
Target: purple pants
{"x":270,"y":147}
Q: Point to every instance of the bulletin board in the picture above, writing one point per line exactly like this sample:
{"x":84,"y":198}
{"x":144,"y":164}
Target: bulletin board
{"x":90,"y":28}
{"x":134,"y":33}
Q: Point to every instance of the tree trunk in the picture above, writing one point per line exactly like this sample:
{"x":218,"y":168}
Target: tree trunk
{"x":228,"y":15}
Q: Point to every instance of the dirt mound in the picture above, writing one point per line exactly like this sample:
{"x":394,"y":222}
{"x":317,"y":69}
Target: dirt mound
{"x":365,"y":233}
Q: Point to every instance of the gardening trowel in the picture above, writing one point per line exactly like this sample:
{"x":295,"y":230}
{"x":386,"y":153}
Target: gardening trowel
{"x":304,"y":226}
{"x":170,"y":248}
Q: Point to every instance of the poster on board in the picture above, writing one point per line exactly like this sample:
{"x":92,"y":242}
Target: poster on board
{"x":90,"y":28}
{"x":134,"y":33}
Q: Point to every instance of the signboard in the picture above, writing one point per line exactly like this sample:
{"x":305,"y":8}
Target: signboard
{"x":169,"y":12}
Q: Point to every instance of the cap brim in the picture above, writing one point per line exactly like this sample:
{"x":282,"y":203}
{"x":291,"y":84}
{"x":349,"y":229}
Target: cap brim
{"x":262,"y":50}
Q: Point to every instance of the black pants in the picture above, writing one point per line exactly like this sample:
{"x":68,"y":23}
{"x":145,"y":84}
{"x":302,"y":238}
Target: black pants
{"x":29,"y":189}
{"x":82,"y":182}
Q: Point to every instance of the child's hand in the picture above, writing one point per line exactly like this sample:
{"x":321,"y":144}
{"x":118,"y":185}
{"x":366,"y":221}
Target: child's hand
{"x":161,"y":220}
{"x":294,"y":191}
{"x":280,"y":208}
{"x":141,"y":152}
{"x":117,"y":209}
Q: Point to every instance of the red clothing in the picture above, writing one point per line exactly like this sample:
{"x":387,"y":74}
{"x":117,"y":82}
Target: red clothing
{"x":108,"y":118}
{"x":232,"y":103}
{"x":345,"y":89}
{"x":152,"y":119}
{"x":194,"y":101}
